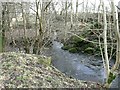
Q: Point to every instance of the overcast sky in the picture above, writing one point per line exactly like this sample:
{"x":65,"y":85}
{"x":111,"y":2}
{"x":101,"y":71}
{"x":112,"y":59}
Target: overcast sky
{"x":58,"y":7}
{"x":116,"y":1}
{"x":93,"y":1}
{"x":90,"y":2}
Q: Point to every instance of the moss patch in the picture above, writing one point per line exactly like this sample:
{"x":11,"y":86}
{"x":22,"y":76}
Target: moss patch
{"x":73,"y":50}
{"x":76,"y":45}
{"x":111,"y":78}
{"x":66,"y":47}
{"x":89,"y":50}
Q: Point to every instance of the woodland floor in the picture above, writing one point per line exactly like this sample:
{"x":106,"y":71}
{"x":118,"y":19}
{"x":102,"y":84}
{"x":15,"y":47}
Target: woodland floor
{"x":18,"y":70}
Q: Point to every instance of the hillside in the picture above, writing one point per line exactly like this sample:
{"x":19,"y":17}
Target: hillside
{"x":18,"y":70}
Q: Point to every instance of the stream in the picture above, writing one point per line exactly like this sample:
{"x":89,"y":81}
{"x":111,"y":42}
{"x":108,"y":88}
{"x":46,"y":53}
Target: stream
{"x":80,"y":66}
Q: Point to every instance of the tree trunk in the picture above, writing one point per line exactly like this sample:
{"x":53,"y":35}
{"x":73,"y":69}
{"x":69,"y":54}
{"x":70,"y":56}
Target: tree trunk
{"x":3,"y":25}
{"x":26,"y":42}
{"x":116,"y":29}
{"x":105,"y":46}
{"x":71,"y":15}
{"x":77,"y":10}
{"x":66,"y":4}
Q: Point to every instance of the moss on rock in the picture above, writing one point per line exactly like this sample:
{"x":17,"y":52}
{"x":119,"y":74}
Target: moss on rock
{"x":66,"y":47}
{"x":89,"y":50}
{"x":76,"y":39}
{"x":73,"y":50}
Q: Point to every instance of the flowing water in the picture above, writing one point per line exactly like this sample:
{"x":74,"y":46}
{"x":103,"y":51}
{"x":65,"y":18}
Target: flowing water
{"x":79,"y":66}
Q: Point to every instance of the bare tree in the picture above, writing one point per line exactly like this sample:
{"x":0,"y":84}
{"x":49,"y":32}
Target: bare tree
{"x":110,"y":73}
{"x":4,"y":24}
{"x":116,"y":29}
{"x":71,"y":14}
{"x":77,"y":10}
{"x":105,"y":42}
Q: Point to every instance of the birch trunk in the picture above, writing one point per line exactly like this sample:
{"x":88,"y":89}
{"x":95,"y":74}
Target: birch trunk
{"x":117,"y":63}
{"x":105,"y":45}
{"x":99,"y":12}
{"x":116,"y":29}
{"x":66,"y":4}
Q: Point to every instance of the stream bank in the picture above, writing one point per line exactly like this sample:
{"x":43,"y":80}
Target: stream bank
{"x":20,"y":70}
{"x":80,"y":66}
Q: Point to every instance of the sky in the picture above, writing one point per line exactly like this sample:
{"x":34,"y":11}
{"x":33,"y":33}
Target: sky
{"x":93,"y":1}
{"x":58,"y":7}
{"x":90,"y":2}
{"x":116,"y":1}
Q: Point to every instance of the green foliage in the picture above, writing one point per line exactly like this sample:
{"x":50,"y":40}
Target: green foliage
{"x":89,"y":50}
{"x":49,"y":79}
{"x":66,"y":47}
{"x":73,"y":50}
{"x":111,"y":78}
{"x":76,"y":45}
{"x":76,"y":39}
{"x":45,"y":61}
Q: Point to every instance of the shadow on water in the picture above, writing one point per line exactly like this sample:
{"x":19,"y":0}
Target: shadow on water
{"x":80,"y":66}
